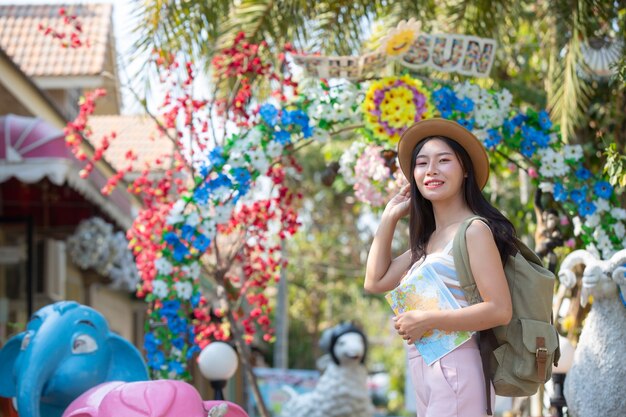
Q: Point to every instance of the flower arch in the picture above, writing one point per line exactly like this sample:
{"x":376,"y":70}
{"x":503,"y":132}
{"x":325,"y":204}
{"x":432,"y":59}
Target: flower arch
{"x":220,"y":199}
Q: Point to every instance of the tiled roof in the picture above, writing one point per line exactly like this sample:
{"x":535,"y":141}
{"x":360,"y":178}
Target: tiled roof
{"x":38,"y":54}
{"x":136,"y":133}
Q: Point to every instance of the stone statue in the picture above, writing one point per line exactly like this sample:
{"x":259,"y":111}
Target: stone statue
{"x":594,"y":386}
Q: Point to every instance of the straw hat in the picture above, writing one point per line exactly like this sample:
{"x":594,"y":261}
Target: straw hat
{"x":450,"y":129}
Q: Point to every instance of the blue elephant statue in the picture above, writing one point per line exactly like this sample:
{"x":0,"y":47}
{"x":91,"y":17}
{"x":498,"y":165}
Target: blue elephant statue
{"x":66,"y":349}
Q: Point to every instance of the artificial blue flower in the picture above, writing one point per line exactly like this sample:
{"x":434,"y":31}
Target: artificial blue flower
{"x":170,"y":308}
{"x":446,"y":114}
{"x":286,"y":117}
{"x":466,"y":105}
{"x":444,"y":98}
{"x":193,"y":349}
{"x":221,"y":180}
{"x":509,"y":126}
{"x":466,"y":123}
{"x":150,"y":342}
{"x":180,"y":251}
{"x":195,"y":300}
{"x":156,"y":360}
{"x":586,"y":208}
{"x":201,"y":194}
{"x":269,"y":114}
{"x":493,"y":139}
{"x":187,"y":232}
{"x":529,"y":133}
{"x":527,"y":148}
{"x":300,"y":118}
{"x":307,"y":131}
{"x":201,"y":243}
{"x":171,"y":238}
{"x":603,"y":189}
{"x":191,"y":333}
{"x":204,"y":170}
{"x":559,"y":192}
{"x":578,"y":196}
{"x":241,"y":175}
{"x":216,"y":157}
{"x":176,"y":367}
{"x":583,"y":174}
{"x":283,"y":137}
{"x":178,"y":343}
{"x":544,"y":120}
{"x":542,"y":140}
{"x":518,"y":119}
{"x":177,"y":325}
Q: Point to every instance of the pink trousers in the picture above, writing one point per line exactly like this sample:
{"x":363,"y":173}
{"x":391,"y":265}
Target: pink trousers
{"x":452,"y":386}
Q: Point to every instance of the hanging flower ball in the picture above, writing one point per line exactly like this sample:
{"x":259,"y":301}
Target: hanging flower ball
{"x":394,"y":103}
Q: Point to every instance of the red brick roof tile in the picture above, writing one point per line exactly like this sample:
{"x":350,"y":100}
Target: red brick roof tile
{"x":38,"y":54}
{"x":136,"y":133}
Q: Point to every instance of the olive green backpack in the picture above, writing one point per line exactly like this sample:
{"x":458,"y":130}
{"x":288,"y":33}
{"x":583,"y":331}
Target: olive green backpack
{"x":517,"y":357}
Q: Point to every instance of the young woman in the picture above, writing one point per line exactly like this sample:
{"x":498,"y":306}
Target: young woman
{"x":447,"y":167}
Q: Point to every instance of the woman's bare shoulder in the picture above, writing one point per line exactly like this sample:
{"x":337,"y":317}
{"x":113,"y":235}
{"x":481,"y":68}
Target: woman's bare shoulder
{"x":478,"y":231}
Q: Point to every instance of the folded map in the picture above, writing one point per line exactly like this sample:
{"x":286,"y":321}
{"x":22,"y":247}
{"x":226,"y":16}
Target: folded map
{"x":423,"y":290}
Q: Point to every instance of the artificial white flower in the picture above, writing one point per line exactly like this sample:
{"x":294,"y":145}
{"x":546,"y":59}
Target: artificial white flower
{"x":258,"y":160}
{"x":618,"y":213}
{"x":602,"y":205}
{"x":547,"y":171}
{"x":274,"y":149}
{"x":348,"y":160}
{"x":546,"y":187}
{"x":193,"y":219}
{"x":192,"y":271}
{"x":221,"y":193}
{"x":573,"y":152}
{"x":184,"y":289}
{"x":552,"y":163}
{"x":619,"y":230}
{"x":592,"y":220}
{"x":159,"y":288}
{"x":505,"y":98}
{"x":163,"y":266}
{"x":236,"y":160}
{"x":578,"y":225}
{"x":223,"y":213}
{"x":176,"y":213}
{"x":208,"y":228}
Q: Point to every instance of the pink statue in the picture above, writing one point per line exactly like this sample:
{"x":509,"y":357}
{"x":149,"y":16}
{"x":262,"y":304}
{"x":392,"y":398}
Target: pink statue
{"x":161,"y":398}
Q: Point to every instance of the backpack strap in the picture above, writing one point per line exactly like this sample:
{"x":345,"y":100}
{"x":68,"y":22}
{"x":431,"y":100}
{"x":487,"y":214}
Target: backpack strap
{"x":486,"y":339}
{"x":462,"y":262}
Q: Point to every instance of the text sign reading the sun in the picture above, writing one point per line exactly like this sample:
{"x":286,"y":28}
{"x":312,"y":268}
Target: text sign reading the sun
{"x":468,"y":55}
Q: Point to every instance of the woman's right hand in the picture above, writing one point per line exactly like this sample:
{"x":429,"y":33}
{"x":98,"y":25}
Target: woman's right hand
{"x":399,"y":205}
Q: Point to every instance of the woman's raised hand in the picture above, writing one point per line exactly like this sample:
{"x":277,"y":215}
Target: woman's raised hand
{"x":398,"y":206}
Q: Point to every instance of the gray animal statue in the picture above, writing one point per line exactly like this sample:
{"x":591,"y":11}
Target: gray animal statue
{"x":594,"y":385}
{"x":66,"y":349}
{"x":342,"y":389}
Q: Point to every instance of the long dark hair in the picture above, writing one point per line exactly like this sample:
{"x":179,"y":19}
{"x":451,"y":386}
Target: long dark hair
{"x":422,"y":218}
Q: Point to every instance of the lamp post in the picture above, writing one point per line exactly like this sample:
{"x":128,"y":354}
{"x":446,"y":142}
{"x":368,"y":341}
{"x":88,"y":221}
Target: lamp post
{"x":557,"y":400}
{"x":218,"y":362}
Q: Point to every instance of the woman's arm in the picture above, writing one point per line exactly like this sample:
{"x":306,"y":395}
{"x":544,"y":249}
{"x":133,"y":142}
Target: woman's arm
{"x":495,"y":310}
{"x":382,"y":273}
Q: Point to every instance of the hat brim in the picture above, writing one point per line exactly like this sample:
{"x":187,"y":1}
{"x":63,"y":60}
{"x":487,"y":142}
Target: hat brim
{"x":450,"y":129}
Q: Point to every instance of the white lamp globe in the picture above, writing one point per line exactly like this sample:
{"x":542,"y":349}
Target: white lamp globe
{"x":567,"y":356}
{"x":218,"y":361}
